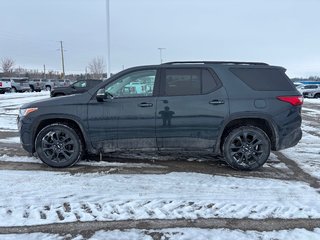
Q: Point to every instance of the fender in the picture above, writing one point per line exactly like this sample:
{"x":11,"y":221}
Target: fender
{"x":81,"y":124}
{"x":247,"y":115}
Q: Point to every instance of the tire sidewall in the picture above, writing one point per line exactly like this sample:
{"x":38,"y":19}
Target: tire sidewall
{"x":232,"y":162}
{"x":68,"y":130}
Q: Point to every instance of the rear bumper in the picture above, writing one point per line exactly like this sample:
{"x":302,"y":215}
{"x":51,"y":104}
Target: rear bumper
{"x":5,"y":89}
{"x":290,"y":139}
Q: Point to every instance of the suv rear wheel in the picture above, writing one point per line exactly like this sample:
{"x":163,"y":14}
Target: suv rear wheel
{"x":58,"y":145}
{"x":317,"y":95}
{"x":246,"y":148}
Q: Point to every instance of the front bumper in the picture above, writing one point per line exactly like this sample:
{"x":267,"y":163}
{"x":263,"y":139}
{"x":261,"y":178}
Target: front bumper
{"x":26,"y":134}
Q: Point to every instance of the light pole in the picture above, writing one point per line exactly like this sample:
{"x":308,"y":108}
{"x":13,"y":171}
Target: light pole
{"x":108,"y":36}
{"x":160,"y":49}
{"x":62,"y":59}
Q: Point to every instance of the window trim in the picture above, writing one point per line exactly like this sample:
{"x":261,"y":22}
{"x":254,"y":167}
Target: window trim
{"x":162,"y":86}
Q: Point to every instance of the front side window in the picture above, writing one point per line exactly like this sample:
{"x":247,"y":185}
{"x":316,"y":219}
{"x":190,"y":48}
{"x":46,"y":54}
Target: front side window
{"x":135,"y":84}
{"x":80,"y":84}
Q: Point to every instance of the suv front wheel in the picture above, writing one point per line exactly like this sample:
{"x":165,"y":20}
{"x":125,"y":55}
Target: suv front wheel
{"x":246,"y":148}
{"x":58,"y":145}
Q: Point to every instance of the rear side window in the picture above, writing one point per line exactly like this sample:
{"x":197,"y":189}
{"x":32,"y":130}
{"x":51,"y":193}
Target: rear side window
{"x":179,"y":82}
{"x":264,"y":79}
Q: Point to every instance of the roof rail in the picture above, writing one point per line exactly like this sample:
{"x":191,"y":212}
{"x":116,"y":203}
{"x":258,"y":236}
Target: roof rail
{"x":216,"y":62}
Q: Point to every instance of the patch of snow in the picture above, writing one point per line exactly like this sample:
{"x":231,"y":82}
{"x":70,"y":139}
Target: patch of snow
{"x":37,"y":197}
{"x":24,"y":159}
{"x":32,"y":236}
{"x":307,"y":152}
{"x":178,"y":234}
{"x":10,"y":140}
{"x":10,"y":104}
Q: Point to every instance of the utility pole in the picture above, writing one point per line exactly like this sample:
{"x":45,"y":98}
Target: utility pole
{"x":108,"y":37}
{"x":160,"y":49}
{"x":44,"y":71}
{"x":62,"y":59}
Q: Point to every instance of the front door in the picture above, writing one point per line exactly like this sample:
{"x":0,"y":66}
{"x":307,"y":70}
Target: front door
{"x":191,"y":109}
{"x":126,"y":118}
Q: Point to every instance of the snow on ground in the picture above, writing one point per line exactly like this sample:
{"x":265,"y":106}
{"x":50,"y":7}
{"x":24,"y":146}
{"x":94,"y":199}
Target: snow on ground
{"x":179,"y":234}
{"x":10,"y":140}
{"x":38,"y":197}
{"x":10,"y":104}
{"x":307,"y":152}
{"x":25,"y":159}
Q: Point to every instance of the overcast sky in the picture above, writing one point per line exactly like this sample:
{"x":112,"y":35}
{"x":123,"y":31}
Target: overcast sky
{"x":279,"y":32}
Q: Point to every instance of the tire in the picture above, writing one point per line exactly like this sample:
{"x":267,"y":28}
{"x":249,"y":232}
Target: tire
{"x":13,"y":90}
{"x":246,"y":148}
{"x":59,"y":145}
{"x":317,"y":95}
{"x":48,"y":88}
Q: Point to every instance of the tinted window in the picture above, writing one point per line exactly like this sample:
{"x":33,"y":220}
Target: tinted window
{"x":182,"y":82}
{"x":264,"y":79}
{"x":179,"y":82}
{"x":208,"y":82}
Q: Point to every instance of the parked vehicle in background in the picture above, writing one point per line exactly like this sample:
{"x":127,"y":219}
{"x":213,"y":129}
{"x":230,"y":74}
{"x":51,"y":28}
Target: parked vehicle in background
{"x":50,"y":83}
{"x":20,"y":84}
{"x":77,"y":87}
{"x":5,"y":85}
{"x":63,"y":83}
{"x":36,"y":85}
{"x":311,"y":91}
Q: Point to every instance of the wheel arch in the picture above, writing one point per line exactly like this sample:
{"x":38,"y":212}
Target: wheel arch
{"x":67,"y":120}
{"x":262,"y":122}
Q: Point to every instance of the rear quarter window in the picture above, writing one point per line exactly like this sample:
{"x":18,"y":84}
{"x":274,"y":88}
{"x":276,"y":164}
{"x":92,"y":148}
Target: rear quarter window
{"x":264,"y":79}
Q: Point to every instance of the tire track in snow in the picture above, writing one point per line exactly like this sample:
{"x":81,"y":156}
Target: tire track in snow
{"x":298,"y":172}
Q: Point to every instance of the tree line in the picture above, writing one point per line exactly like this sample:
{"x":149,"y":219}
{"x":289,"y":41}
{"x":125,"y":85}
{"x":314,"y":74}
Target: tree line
{"x":9,"y":69}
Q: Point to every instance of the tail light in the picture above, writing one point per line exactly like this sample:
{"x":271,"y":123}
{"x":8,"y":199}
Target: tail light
{"x":0,"y":84}
{"x":293,"y":100}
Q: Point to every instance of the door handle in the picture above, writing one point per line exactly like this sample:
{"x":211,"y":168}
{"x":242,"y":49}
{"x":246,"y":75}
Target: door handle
{"x":216,"y":102}
{"x":144,"y":104}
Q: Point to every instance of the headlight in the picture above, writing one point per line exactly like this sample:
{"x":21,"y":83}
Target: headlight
{"x":25,"y":111}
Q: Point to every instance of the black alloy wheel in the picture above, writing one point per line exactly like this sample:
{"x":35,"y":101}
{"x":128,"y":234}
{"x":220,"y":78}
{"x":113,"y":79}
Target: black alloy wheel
{"x":58,"y":145}
{"x":246,"y":148}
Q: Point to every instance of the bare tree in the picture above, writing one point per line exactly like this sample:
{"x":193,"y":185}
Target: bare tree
{"x":7,"y":65}
{"x":96,"y":67}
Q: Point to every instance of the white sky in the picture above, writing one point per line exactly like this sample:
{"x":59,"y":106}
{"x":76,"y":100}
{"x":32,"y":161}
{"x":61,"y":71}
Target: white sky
{"x":279,"y":32}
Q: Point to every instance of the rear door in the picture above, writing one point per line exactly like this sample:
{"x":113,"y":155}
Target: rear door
{"x":191,"y":109}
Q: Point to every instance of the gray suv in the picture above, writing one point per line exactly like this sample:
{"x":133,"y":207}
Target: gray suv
{"x":20,"y":84}
{"x":240,"y":110}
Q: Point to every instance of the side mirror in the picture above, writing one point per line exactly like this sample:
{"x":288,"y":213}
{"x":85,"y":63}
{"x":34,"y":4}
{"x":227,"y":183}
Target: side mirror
{"x":100,"y":97}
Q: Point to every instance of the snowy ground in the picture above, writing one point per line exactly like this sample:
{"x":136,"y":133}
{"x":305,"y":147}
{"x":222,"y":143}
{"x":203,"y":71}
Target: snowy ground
{"x":180,"y":234}
{"x":286,"y":188}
